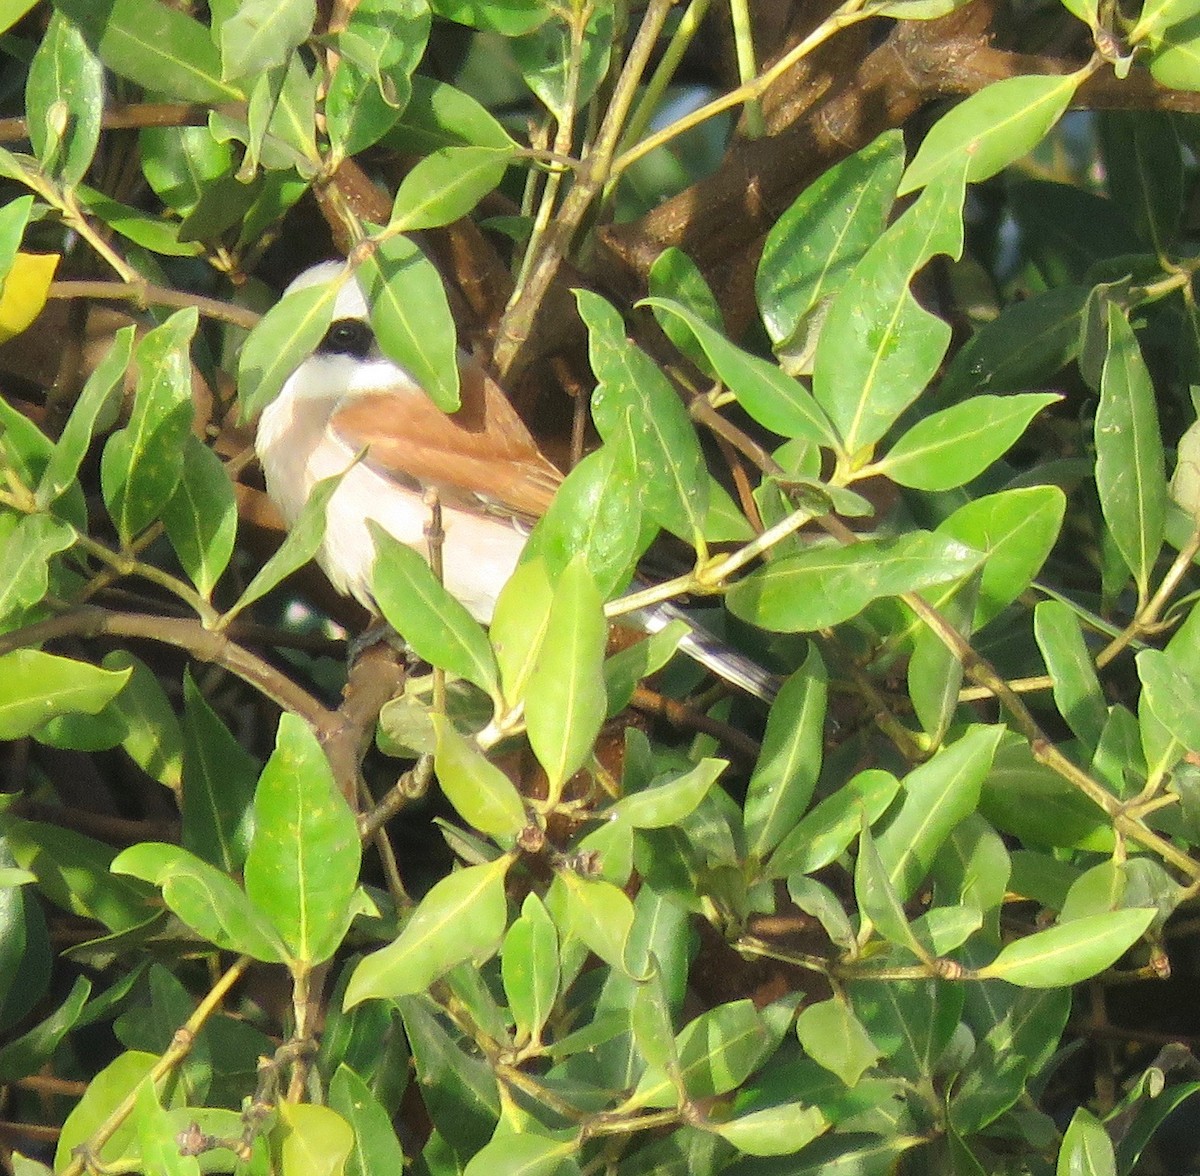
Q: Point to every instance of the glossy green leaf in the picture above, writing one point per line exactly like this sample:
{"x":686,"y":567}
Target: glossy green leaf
{"x":97,"y":403}
{"x":35,"y":1048}
{"x":1015,"y":530}
{"x":811,"y":250}
{"x":992,"y":128}
{"x":1175,"y":61}
{"x":595,"y":513}
{"x":439,"y":115}
{"x":105,"y":1092}
{"x":566,"y":702}
{"x":208,"y":901}
{"x":717,"y":1051}
{"x":828,"y":583}
{"x":674,"y":275}
{"x":142,"y":463}
{"x":219,"y":778}
{"x":201,"y":516}
{"x":285,"y":336}
{"x":73,"y":872}
{"x":911,"y":1021}
{"x":783,"y":779}
{"x":562,"y":73}
{"x":481,"y":793}
{"x":446,"y":185}
{"x":313,"y":1139}
{"x":262,"y":34}
{"x":64,"y":98}
{"x":150,"y":734}
{"x":938,"y":794}
{"x":14,"y":219}
{"x":36,"y":686}
{"x":878,"y":900}
{"x":1157,"y":16}
{"x":1069,"y":952}
{"x":1077,"y":692}
{"x":1027,"y":344}
{"x":519,"y":626}
{"x":635,"y":404}
{"x":529,"y":1153}
{"x":766,"y":392}
{"x":411,"y":317}
{"x":27,"y":553}
{"x":302,"y":867}
{"x":668,"y":802}
{"x":294,"y":552}
{"x":774,"y":1131}
{"x":833,"y":1036}
{"x":593,"y":911}
{"x":827,"y":831}
{"x":157,"y":1143}
{"x":182,"y":164}
{"x":1173,"y":694}
{"x":950,"y":448}
{"x":376,"y":1148}
{"x":461,"y":918}
{"x":529,"y":967}
{"x":935,"y":672}
{"x":423,"y":612}
{"x":159,"y":47}
{"x":1130,"y":468}
{"x":879,"y":348}
{"x":11,"y":11}
{"x":1086,"y":1149}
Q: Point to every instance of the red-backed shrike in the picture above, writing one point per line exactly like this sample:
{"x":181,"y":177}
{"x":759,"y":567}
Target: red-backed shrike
{"x":347,"y":399}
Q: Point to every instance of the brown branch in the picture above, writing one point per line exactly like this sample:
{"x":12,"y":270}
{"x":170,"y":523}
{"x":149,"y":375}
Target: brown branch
{"x":679,"y":714}
{"x":147,"y":295}
{"x":123,"y":116}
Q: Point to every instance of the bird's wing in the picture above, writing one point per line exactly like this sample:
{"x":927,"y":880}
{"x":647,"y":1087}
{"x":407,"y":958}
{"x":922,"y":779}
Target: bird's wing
{"x":481,"y":456}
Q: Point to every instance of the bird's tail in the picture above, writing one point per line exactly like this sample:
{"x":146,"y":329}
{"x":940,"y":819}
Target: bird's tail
{"x":707,"y":649}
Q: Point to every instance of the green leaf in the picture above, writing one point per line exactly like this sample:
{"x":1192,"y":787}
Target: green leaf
{"x":951,"y":447}
{"x":1172,"y":693}
{"x":519,"y":626}
{"x":774,"y":1131}
{"x":812,"y":249}
{"x":595,"y":912}
{"x":668,"y":803}
{"x":461,"y":918}
{"x":219,"y":778}
{"x":992,"y":128}
{"x":879,"y":348}
{"x":717,"y":1052}
{"x":529,"y":967}
{"x":182,"y":164}
{"x":1130,"y":468}
{"x":439,"y":115}
{"x":11,"y":11}
{"x":423,"y":612}
{"x":313,"y":1139}
{"x":36,"y":686}
{"x":1015,"y":530}
{"x":832,"y":1035}
{"x":1175,"y":61}
{"x":73,"y":872}
{"x":150,"y":732}
{"x":935,"y":672}
{"x":208,"y":901}
{"x":768,"y":394}
{"x":294,"y":552}
{"x":596,"y":513}
{"x":152,"y":232}
{"x":27,"y":553}
{"x":509,"y":17}
{"x":937,"y":795}
{"x":827,"y":583}
{"x":411,"y":317}
{"x":782,"y":783}
{"x":674,"y":275}
{"x":201,"y":517}
{"x":105,"y":1092}
{"x":14,"y":219}
{"x":480,"y":792}
{"x":99,"y":399}
{"x":64,"y":98}
{"x":627,"y":668}
{"x":262,"y":34}
{"x":635,"y":405}
{"x":566,"y":701}
{"x":528,"y":1153}
{"x":826,"y":832}
{"x":157,"y":1143}
{"x":285,"y":336}
{"x":36,"y":1047}
{"x":1070,"y":952}
{"x":142,"y":463}
{"x":155,"y":45}
{"x":1077,"y":692}
{"x":302,"y":867}
{"x":563,"y":72}
{"x":1086,"y":1149}
{"x":446,"y":185}
{"x":1158,"y":16}
{"x":878,"y":900}
{"x":376,"y":1148}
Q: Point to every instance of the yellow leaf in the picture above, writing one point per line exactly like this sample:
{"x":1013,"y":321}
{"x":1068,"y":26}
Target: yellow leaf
{"x":24,"y":292}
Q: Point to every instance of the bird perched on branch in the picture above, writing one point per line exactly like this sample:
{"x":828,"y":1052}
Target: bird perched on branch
{"x":348,"y":409}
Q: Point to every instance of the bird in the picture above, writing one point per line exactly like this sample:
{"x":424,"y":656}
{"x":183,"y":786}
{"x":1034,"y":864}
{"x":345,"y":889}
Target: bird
{"x":349,"y":410}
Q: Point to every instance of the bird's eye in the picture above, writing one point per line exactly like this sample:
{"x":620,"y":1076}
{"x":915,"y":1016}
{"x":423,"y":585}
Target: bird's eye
{"x":350,"y":336}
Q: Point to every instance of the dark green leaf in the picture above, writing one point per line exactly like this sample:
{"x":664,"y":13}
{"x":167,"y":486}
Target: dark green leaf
{"x":376,"y":1148}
